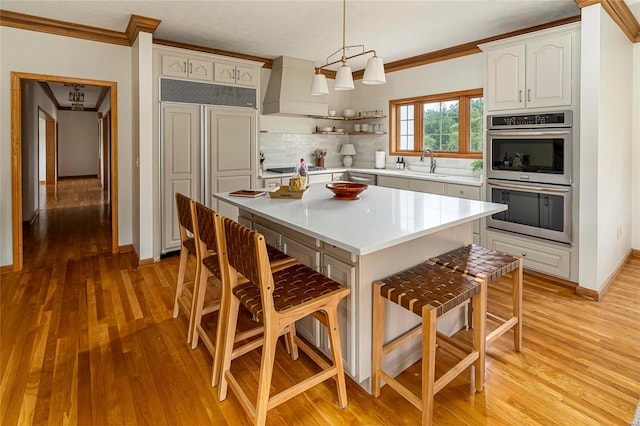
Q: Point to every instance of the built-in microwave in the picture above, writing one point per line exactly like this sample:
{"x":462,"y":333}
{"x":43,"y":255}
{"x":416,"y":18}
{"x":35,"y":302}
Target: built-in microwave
{"x":530,"y":147}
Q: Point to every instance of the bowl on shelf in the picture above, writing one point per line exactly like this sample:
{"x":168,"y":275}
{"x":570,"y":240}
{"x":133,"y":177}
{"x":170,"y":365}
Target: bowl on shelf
{"x":332,"y":113}
{"x":325,"y":129}
{"x":346,"y":190}
{"x":339,"y":130}
{"x":349,"y":113}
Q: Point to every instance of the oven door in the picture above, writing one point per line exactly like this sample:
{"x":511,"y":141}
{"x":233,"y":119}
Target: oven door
{"x":542,"y":211}
{"x":533,"y":155}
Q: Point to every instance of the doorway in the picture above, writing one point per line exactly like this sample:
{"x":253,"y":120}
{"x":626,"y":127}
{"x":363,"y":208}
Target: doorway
{"x":16,"y":161}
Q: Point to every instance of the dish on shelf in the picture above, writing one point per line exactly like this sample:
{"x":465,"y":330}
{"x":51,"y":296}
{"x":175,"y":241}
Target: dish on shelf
{"x":349,"y":113}
{"x":339,"y":130}
{"x":325,"y":129}
{"x":346,"y":190}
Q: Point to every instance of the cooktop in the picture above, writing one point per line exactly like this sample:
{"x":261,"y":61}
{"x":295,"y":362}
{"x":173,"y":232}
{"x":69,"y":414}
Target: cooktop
{"x":292,"y":169}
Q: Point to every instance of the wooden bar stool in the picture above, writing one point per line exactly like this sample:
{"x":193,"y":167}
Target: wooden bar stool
{"x":473,"y":260}
{"x":278,"y":299}
{"x":184,"y":291}
{"x":211,"y":290}
{"x":430,"y":291}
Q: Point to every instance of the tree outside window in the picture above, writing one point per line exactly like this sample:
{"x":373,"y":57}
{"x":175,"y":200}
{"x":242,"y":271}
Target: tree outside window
{"x":450,"y":124}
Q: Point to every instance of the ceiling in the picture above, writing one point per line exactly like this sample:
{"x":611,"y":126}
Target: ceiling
{"x":61,"y":93}
{"x":312,"y":29}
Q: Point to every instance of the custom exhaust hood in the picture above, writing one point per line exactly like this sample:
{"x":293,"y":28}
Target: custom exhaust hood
{"x":288,"y":89}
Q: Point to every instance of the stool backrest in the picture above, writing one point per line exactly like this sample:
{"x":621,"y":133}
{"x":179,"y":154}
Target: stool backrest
{"x":183,"y":206}
{"x":247,"y":254}
{"x":207,"y":234}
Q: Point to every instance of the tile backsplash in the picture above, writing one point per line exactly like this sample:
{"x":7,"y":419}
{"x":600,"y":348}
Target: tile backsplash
{"x":286,"y":149}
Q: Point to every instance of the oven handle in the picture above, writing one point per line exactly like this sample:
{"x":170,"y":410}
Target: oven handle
{"x":529,"y":188}
{"x":528,"y":133}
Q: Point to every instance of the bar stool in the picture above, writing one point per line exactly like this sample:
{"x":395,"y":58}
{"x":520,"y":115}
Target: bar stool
{"x":473,"y":260}
{"x":210,"y":294}
{"x":184,"y":292}
{"x":278,"y":299}
{"x":429,"y":291}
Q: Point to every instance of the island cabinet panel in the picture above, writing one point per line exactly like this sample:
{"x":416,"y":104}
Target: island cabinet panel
{"x":345,"y":274}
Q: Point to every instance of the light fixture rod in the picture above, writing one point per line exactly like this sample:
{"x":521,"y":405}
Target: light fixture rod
{"x":343,"y":59}
{"x":344,"y":30}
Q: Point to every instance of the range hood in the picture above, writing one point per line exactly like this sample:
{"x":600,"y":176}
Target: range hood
{"x":288,"y":89}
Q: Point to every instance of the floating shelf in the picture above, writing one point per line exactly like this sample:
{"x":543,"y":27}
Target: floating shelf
{"x":328,"y":117}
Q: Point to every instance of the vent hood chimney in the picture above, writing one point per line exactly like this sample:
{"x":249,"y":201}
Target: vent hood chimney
{"x":289,"y":87}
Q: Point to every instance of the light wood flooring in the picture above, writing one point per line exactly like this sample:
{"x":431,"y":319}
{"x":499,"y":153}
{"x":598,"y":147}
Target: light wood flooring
{"x":88,"y":339}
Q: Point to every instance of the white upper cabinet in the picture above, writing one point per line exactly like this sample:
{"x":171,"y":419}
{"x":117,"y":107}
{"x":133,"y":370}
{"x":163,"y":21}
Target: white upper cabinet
{"x":185,"y":67}
{"x":236,"y":74}
{"x":531,"y":73}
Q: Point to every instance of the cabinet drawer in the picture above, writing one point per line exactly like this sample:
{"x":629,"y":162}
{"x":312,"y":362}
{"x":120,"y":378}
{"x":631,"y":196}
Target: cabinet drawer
{"x":549,"y":260}
{"x":392,"y":182}
{"x":427,"y":186}
{"x":271,"y":183}
{"x":298,"y":236}
{"x":463,"y":191}
{"x":325,"y":177}
{"x":339,"y":253}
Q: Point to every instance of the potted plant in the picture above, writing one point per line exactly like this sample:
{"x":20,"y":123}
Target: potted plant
{"x":476,"y":165}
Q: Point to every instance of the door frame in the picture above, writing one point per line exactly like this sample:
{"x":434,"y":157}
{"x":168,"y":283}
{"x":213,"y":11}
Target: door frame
{"x":16,"y":156}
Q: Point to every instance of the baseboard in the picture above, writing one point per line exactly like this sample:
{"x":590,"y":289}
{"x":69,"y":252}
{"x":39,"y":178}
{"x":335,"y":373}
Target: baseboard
{"x":145,"y":262}
{"x":77,"y":177}
{"x":29,"y":222}
{"x":635,"y":253}
{"x":550,"y":278}
{"x":599,"y":295}
{"x":126,"y":248}
{"x":5,"y":269}
{"x":136,"y":262}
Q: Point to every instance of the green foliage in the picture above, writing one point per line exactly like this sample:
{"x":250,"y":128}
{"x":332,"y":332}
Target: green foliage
{"x":476,"y":165}
{"x":441,"y":125}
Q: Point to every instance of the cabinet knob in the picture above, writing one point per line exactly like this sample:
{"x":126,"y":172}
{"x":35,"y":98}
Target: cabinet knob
{"x":519,"y":95}
{"x":524,"y":253}
{"x":461,"y":191}
{"x":528,"y":95}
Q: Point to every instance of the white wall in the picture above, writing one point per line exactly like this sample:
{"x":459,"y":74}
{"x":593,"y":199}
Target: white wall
{"x":40,"y":53}
{"x":77,"y":143}
{"x":605,"y":147}
{"x":635,"y":151}
{"x":33,"y":97}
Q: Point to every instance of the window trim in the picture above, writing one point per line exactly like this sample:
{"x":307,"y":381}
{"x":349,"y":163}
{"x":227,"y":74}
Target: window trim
{"x":464,"y":139}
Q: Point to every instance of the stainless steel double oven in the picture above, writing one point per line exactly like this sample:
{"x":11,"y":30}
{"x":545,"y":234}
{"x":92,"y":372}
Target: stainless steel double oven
{"x":529,"y":159}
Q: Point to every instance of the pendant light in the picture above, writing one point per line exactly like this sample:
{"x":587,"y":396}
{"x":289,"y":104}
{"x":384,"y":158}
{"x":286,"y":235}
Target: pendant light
{"x":373,"y":73}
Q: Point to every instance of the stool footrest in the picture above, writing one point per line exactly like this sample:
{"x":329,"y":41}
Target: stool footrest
{"x":399,"y":341}
{"x":507,"y":325}
{"x":402,"y":390}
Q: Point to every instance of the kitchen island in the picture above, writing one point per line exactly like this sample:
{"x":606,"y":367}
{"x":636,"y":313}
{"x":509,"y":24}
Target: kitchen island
{"x":357,"y":242}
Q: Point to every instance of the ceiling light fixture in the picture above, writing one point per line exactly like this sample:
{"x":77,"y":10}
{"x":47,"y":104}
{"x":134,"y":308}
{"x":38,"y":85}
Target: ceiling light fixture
{"x":373,"y":72}
{"x":76,"y":97}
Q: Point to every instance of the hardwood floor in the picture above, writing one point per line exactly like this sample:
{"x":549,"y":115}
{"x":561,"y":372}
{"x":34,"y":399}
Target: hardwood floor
{"x":87,"y":339}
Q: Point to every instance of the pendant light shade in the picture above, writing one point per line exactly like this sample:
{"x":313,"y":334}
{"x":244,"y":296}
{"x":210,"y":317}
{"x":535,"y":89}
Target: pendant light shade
{"x":319,"y":85}
{"x":374,"y":72}
{"x":344,"y":78}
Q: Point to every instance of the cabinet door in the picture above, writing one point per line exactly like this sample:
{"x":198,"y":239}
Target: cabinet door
{"x":470,"y":193}
{"x":228,"y":184}
{"x":247,"y":76}
{"x":307,"y":327}
{"x":549,"y":72}
{"x":180,"y":165}
{"x":200,"y":70}
{"x":272,"y":237}
{"x":271,"y":183}
{"x":505,"y":78}
{"x":174,"y":66}
{"x":232,"y":140}
{"x":345,"y":274}
{"x":224,"y":73}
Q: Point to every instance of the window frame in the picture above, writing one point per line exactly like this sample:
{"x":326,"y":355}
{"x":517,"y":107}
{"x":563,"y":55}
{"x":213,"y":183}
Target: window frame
{"x":464,"y":120}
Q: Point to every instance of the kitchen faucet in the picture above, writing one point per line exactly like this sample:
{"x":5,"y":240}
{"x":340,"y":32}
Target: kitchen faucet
{"x":432,"y":167}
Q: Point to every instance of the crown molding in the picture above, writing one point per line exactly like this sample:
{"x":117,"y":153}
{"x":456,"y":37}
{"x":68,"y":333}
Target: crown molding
{"x":621,"y":15}
{"x":62,"y":28}
{"x":47,"y":91}
{"x":139,"y":24}
{"x":267,"y":63}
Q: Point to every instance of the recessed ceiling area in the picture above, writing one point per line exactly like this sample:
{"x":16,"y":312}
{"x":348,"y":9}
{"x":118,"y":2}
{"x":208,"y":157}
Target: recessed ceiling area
{"x":92,"y":95}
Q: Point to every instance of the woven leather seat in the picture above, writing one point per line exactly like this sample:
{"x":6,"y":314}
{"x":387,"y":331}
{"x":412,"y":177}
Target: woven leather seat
{"x":474,"y":260}
{"x":278,"y":299}
{"x":430,"y":291}
{"x":293,"y":286}
{"x":184,"y":291}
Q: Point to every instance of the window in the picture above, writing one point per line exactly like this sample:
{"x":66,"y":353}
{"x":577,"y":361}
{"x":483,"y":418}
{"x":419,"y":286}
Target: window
{"x":450,"y":124}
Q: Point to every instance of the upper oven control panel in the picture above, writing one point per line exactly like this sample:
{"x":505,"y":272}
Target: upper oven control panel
{"x":528,"y":121}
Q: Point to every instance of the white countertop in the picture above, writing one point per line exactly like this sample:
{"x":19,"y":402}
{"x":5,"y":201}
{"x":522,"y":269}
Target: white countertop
{"x":381,"y":218}
{"x":409,"y":174}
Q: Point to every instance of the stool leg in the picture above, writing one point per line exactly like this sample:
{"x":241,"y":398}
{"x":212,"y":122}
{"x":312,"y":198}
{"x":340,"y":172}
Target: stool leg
{"x":184,"y":254}
{"x":479,"y":302}
{"x":336,"y":352}
{"x":266,"y":372}
{"x":227,"y":346}
{"x":517,"y":306}
{"x":428,"y":362}
{"x":197,"y":303}
{"x":378,"y":339}
{"x":290,"y":341}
